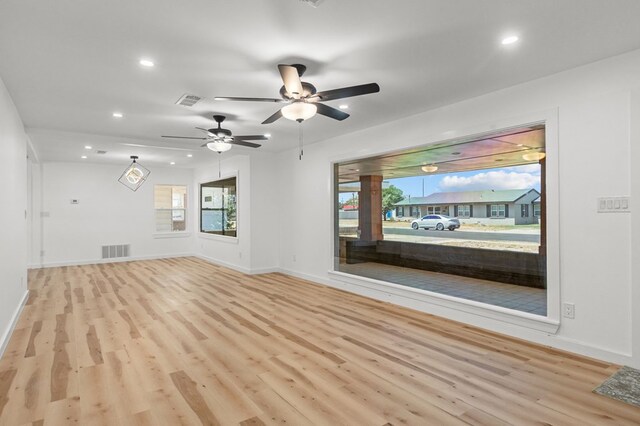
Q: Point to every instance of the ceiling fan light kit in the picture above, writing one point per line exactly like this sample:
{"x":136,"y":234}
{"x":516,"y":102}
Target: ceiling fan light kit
{"x":135,"y":175}
{"x":219,"y":146}
{"x":299,"y":111}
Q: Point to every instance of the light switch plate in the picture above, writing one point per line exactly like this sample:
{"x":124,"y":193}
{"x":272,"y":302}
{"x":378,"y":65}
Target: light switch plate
{"x":614,"y":205}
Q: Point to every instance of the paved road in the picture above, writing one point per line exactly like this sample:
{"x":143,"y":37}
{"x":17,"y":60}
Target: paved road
{"x":465,"y":235}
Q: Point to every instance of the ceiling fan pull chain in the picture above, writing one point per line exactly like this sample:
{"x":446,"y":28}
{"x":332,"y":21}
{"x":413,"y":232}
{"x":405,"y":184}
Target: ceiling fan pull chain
{"x":219,"y":165}
{"x":300,"y":140}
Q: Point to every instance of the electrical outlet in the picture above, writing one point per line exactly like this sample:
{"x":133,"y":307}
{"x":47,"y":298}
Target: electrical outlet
{"x":569,"y":310}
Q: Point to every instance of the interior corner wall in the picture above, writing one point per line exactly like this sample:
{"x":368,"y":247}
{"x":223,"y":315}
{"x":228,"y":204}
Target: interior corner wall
{"x":107,"y":213}
{"x":594,"y":119}
{"x":13,"y":215}
{"x":227,"y":251}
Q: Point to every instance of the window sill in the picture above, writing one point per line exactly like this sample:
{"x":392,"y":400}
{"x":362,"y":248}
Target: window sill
{"x":510,"y":316}
{"x":215,"y":237}
{"x":172,"y":235}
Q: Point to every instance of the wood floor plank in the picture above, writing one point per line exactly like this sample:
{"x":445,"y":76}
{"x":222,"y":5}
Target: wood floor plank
{"x":182,"y":341}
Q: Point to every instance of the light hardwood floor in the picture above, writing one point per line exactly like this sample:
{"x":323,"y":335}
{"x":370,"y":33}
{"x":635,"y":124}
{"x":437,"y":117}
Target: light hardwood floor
{"x":181,"y":341}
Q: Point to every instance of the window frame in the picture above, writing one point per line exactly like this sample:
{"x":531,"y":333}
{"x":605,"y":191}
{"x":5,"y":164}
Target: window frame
{"x":463,"y":207}
{"x":217,"y":235}
{"x":185,"y":210}
{"x":489,"y":316}
{"x":498,"y":211}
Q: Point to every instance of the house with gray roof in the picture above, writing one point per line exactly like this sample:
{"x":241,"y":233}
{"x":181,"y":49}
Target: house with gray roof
{"x":491,"y":206}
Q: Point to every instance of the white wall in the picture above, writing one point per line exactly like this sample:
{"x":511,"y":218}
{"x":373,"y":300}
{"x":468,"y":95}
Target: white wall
{"x":592,"y":106}
{"x":13,"y":215}
{"x":107,"y":213}
{"x":225,"y":250}
{"x":255,"y":250}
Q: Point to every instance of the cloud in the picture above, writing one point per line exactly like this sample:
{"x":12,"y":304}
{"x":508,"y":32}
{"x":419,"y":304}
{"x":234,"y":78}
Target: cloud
{"x":490,"y":180}
{"x":527,"y":168}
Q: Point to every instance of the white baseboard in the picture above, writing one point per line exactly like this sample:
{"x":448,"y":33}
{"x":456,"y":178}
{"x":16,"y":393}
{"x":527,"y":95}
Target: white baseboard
{"x":238,"y":268}
{"x":4,"y":340}
{"x":115,"y":260}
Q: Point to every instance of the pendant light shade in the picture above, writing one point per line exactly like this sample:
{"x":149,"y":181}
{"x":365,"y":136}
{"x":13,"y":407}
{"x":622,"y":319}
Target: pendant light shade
{"x":219,"y":146}
{"x":299,"y":111}
{"x":135,"y":175}
{"x":534,"y":156}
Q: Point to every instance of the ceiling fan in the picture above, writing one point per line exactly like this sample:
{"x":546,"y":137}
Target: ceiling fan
{"x":221,"y":140}
{"x":303,"y":100}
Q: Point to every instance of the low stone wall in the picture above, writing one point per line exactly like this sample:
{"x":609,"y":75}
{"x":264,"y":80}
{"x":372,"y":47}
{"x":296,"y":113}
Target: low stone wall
{"x":525,"y":269}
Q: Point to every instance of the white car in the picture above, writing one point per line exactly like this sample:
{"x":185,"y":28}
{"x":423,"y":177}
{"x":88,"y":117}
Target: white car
{"x":436,"y":221}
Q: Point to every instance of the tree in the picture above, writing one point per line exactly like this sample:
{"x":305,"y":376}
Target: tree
{"x":390,"y":196}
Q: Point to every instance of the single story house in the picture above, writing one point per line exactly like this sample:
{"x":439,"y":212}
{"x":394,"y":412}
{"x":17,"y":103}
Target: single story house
{"x":491,"y":206}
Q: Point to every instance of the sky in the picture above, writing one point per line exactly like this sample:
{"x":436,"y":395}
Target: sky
{"x":517,"y":177}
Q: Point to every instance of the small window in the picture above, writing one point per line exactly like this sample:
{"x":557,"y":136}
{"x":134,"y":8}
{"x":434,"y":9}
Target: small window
{"x":218,"y":207}
{"x":433,"y":210}
{"x":497,"y":210}
{"x":464,"y":210}
{"x":524,"y":210}
{"x":536,"y":209}
{"x":170,"y":202}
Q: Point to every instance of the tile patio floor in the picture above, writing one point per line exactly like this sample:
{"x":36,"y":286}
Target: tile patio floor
{"x":525,"y":299}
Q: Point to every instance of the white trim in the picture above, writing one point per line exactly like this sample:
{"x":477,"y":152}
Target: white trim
{"x":113,"y":260}
{"x":547,"y":117}
{"x":223,"y":238}
{"x":180,"y":234}
{"x":6,"y":336}
{"x":523,"y":319}
{"x":238,"y":268}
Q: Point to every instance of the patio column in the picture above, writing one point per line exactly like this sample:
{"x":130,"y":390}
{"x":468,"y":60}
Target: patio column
{"x":370,"y":208}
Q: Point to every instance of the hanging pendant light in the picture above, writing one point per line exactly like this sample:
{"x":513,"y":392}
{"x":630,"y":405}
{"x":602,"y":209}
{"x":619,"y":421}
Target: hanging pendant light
{"x":430,"y":168}
{"x":135,"y":175}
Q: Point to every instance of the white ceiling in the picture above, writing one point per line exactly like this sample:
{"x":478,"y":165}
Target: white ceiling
{"x":69,"y":64}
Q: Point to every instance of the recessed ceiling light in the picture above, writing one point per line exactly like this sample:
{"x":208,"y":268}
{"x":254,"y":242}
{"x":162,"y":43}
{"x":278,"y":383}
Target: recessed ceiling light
{"x":267,"y":135}
{"x":344,"y":107}
{"x":117,"y":115}
{"x":520,"y":144}
{"x":357,"y":170}
{"x":83,"y":157}
{"x":510,"y":40}
{"x":87,"y":147}
{"x":146,"y":63}
{"x":172,"y":163}
{"x":189,"y":155}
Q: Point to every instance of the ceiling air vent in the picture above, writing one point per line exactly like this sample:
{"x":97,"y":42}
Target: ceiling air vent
{"x":188,"y":100}
{"x":101,"y":152}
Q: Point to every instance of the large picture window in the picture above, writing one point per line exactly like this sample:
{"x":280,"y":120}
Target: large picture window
{"x":470,"y":233}
{"x":170,"y":202}
{"x":218,"y":207}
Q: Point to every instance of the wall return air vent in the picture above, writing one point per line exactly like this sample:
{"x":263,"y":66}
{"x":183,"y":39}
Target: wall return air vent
{"x":116,"y":251}
{"x":188,"y":100}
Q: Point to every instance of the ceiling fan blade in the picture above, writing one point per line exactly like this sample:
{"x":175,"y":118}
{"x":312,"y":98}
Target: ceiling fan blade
{"x":183,"y":137}
{"x":291,"y":80}
{"x":273,"y":118}
{"x":331,"y":112}
{"x":347,"y":92}
{"x":251,"y":138}
{"x":231,"y":98}
{"x":249,"y":144}
{"x":206,"y":131}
